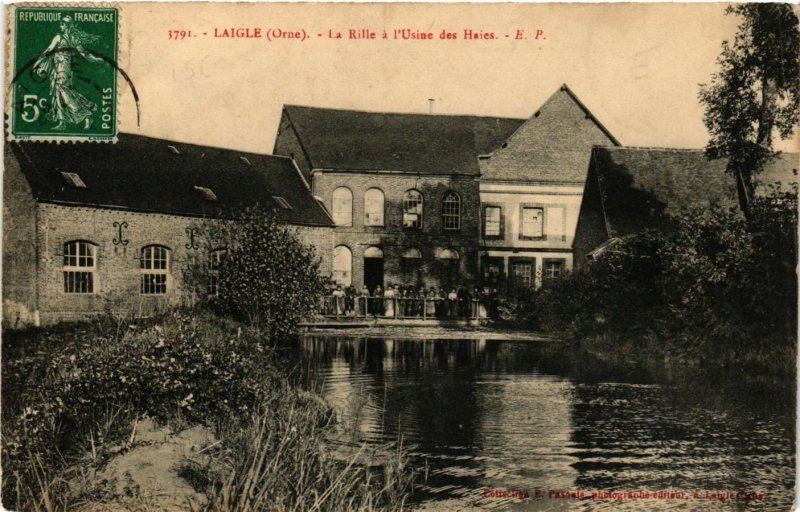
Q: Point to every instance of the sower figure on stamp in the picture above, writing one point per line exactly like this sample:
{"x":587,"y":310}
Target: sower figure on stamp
{"x":67,"y":105}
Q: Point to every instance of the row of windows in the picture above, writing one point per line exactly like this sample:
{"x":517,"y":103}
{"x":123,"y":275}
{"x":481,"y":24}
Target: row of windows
{"x":522,"y":271}
{"x":535,"y":222}
{"x":413,"y":206}
{"x":80,"y":264}
{"x":343,"y":259}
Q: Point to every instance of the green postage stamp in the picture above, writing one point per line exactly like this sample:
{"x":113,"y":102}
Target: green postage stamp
{"x":64,"y":80}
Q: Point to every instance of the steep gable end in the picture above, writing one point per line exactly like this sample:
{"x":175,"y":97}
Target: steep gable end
{"x":553,"y":146}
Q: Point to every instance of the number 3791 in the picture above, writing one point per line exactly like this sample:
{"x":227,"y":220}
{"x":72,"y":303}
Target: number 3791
{"x":179,"y":34}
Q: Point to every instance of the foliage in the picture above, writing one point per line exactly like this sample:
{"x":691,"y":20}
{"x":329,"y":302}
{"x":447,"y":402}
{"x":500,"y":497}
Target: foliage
{"x":268,"y":276}
{"x":281,"y":460}
{"x":713,"y":286}
{"x":755,"y":92}
{"x":74,"y":392}
{"x":77,"y":389}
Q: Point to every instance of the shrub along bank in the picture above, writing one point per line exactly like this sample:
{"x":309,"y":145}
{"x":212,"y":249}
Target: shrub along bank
{"x":711,"y":288}
{"x":70,"y":395}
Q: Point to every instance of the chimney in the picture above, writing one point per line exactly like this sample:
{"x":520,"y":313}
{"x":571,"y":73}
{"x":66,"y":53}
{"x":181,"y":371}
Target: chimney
{"x":430,"y":105}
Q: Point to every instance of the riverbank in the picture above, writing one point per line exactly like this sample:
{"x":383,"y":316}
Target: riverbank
{"x":644,"y":351}
{"x":412,"y":332}
{"x":179,"y":411}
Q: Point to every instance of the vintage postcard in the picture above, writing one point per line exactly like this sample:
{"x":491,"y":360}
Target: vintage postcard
{"x":331,"y":257}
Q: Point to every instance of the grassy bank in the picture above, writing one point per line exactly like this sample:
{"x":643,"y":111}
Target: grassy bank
{"x":73,"y":396}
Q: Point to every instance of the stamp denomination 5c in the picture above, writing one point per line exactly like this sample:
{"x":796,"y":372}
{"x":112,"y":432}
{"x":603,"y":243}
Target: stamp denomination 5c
{"x":64,"y":84}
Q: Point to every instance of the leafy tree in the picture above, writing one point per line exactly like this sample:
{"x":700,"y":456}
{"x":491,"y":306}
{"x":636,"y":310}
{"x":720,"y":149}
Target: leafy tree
{"x":267,"y":276}
{"x":755,"y":93}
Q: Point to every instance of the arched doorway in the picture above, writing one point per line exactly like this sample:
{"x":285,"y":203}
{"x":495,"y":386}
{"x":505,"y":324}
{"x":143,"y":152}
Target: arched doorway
{"x":373,"y":268}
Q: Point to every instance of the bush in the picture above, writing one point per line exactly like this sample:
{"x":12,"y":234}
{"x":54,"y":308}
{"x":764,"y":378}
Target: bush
{"x":268,"y":277}
{"x":712,"y":285}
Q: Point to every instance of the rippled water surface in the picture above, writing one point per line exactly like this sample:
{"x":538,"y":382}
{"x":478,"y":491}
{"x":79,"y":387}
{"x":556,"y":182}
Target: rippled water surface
{"x":489,"y":421}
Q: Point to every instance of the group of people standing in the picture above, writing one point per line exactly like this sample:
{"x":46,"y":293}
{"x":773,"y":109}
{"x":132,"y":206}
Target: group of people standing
{"x":408,"y":301}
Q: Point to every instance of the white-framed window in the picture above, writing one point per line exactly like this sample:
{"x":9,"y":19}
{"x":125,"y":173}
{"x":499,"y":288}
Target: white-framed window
{"x":493,"y":221}
{"x":343,"y":265}
{"x":522,"y":273}
{"x":154,"y":265}
{"x":215,"y":260}
{"x":531,"y":222}
{"x":451,"y":211}
{"x":373,"y":207}
{"x":343,"y":207}
{"x":552,"y":269}
{"x":80,"y":263}
{"x":412,"y":209}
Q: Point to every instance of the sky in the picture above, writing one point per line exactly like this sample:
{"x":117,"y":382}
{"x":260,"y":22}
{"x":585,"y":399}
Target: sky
{"x":637,"y":67}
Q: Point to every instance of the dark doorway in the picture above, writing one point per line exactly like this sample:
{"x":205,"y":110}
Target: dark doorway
{"x":373,"y":273}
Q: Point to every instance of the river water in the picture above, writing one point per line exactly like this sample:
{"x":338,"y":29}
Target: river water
{"x":514,"y":425}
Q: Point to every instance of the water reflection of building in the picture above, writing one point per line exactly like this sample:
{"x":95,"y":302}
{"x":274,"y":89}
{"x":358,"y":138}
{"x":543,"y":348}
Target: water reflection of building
{"x":478,"y":411}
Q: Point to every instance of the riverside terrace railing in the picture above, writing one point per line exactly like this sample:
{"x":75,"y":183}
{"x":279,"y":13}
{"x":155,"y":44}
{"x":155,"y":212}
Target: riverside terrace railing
{"x":362,"y":306}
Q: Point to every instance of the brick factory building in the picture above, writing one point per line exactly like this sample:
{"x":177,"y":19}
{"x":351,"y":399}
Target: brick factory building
{"x":438,"y":200}
{"x":91,"y":226}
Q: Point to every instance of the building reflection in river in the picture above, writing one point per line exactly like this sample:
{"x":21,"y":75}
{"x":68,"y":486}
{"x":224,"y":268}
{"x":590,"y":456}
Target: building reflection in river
{"x":484,"y":414}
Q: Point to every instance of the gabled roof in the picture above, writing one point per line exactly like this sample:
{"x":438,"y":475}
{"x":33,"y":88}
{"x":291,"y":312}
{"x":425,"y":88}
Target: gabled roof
{"x":642,"y":187}
{"x":348,"y":140}
{"x":553,"y":146}
{"x":153,"y":175}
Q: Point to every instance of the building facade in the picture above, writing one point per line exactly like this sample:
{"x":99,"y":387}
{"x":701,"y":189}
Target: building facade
{"x":411,"y":193}
{"x":531,"y":189}
{"x":403,"y":190}
{"x":90,"y":228}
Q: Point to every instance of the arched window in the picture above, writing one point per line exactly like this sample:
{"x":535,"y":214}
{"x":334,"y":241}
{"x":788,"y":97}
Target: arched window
{"x":343,"y":265}
{"x":451,"y":211}
{"x":154,"y":265}
{"x":447,"y":254}
{"x":412,"y":253}
{"x":215,"y":260}
{"x":343,"y":207}
{"x":412,"y":209}
{"x":373,"y":207}
{"x":80,"y":262}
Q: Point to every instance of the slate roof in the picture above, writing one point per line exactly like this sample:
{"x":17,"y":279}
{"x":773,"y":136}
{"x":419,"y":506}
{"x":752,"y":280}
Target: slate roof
{"x":640,"y":187}
{"x":553,"y":146}
{"x":147,"y":174}
{"x":366,"y":141}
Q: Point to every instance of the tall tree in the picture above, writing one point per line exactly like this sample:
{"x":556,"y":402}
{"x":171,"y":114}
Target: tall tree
{"x":755,"y":93}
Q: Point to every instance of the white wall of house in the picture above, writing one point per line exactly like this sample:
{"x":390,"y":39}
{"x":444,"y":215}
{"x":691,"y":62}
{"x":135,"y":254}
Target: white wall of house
{"x":531,"y":246}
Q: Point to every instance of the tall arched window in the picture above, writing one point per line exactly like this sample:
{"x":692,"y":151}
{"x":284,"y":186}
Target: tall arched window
{"x":154,"y":265}
{"x":373,"y":207}
{"x":412,"y":209}
{"x":343,"y":207}
{"x":80,"y":262}
{"x":451,"y":211}
{"x":343,"y":265}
